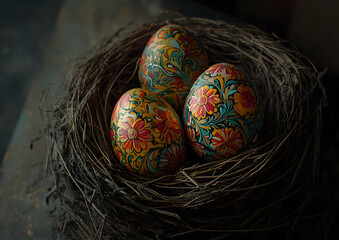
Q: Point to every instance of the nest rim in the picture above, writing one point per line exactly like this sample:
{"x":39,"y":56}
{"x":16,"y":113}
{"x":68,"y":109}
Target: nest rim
{"x":81,"y":157}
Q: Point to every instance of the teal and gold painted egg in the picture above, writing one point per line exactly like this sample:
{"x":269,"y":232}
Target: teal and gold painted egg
{"x":172,"y":60}
{"x":146,"y":133}
{"x":222,"y":112}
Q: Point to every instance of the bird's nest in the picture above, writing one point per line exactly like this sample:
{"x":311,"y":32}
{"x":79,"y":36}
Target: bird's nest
{"x":264,"y":192}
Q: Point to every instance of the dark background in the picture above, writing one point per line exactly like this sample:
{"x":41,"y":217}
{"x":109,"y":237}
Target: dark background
{"x":33,"y":32}
{"x":25,"y":29}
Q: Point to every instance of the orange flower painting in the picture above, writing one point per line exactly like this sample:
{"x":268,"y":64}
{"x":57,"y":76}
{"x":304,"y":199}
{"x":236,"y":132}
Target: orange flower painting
{"x":204,"y":102}
{"x":134,"y":135}
{"x":245,"y":101}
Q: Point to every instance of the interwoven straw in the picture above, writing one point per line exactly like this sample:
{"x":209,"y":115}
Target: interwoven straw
{"x":264,"y":192}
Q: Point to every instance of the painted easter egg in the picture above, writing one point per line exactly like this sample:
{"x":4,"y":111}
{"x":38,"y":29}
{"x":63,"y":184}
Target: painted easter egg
{"x":221,"y":112}
{"x":171,"y":62}
{"x":147,"y":134}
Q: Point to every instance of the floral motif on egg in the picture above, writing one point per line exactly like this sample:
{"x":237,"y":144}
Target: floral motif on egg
{"x":134,"y":135}
{"x":147,"y":135}
{"x":171,"y":62}
{"x":221,"y":112}
{"x":204,"y":102}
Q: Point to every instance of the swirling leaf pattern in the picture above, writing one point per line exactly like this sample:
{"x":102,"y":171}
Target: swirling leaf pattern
{"x":171,"y":62}
{"x":226,"y":123}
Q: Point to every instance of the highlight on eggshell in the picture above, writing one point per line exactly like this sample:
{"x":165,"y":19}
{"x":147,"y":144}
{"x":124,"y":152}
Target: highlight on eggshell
{"x":146,"y":133}
{"x":222,"y":112}
{"x":170,"y":63}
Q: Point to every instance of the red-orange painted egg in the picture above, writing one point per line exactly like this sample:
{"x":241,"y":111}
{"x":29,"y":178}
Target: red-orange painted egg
{"x":221,"y":113}
{"x":147,"y":134}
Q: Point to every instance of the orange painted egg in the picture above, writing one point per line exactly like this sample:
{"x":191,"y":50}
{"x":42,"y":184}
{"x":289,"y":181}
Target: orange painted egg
{"x":221,"y":112}
{"x":147,"y":135}
{"x":171,"y":62}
